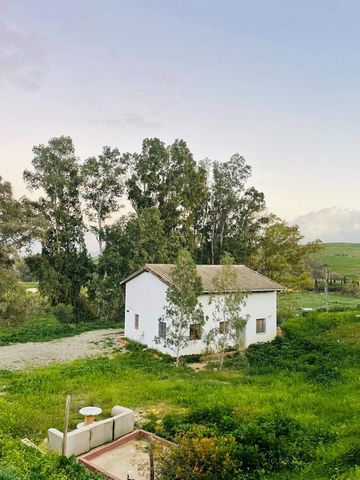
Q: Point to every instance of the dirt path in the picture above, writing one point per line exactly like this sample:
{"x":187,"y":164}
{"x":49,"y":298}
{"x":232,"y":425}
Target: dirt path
{"x":88,"y":344}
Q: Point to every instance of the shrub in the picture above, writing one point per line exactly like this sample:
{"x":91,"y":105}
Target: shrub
{"x":191,"y":358}
{"x":18,"y":461}
{"x":84,"y":311}
{"x":215,"y":438}
{"x":8,"y":474}
{"x":200,"y":458}
{"x":319,"y":361}
{"x":64,"y":313}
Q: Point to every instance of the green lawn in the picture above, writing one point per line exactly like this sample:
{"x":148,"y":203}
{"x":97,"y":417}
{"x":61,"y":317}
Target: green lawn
{"x":313,"y":380}
{"x":342,"y":258}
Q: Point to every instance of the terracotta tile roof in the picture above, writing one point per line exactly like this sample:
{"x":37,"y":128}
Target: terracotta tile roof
{"x":247,"y":279}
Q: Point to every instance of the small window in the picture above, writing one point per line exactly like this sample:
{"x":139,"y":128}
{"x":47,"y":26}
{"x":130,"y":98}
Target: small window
{"x":136,"y":321}
{"x":260,"y":325}
{"x":162,"y":330}
{"x":223,"y":327}
{"x":195,"y":331}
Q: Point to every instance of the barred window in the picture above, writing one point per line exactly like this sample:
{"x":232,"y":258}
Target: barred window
{"x":260,"y":325}
{"x":195,"y":331}
{"x":162,"y":330}
{"x":224,"y":327}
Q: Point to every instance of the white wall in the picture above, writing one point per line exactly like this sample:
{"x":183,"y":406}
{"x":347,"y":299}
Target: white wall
{"x":146,"y":296}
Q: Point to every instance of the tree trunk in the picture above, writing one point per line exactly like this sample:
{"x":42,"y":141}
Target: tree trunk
{"x":100,"y":234}
{"x":177,"y":355}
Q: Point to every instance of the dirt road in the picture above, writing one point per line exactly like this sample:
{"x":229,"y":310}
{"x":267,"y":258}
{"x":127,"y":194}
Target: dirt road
{"x":29,"y":355}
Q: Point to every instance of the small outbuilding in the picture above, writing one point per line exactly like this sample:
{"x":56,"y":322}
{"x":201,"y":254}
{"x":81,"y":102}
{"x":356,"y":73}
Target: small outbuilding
{"x":145,"y":299}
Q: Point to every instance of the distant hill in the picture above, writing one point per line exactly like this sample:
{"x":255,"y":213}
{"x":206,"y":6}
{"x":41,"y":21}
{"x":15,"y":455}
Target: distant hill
{"x":342,"y":258}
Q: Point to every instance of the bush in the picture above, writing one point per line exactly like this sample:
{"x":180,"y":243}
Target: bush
{"x":64,"y":313}
{"x":8,"y":474}
{"x":200,"y":458}
{"x":214,"y":439}
{"x":19,"y":462}
{"x":84,"y":311}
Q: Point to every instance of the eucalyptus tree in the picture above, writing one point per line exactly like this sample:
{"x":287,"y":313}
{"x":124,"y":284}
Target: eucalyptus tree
{"x":103,"y":183}
{"x":63,"y":265}
{"x":234,"y":214}
{"x":19,"y":222}
{"x":169,"y":179}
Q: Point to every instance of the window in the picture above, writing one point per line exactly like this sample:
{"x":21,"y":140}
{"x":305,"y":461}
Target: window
{"x":162,"y":330}
{"x":195,"y":331}
{"x":224,"y":327}
{"x":260,"y":325}
{"x":136,"y":321}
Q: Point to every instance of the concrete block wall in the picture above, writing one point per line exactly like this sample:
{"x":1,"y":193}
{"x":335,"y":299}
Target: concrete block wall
{"x":84,"y":439}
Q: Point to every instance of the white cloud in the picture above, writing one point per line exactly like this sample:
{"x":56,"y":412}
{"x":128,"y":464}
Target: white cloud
{"x":333,"y":224}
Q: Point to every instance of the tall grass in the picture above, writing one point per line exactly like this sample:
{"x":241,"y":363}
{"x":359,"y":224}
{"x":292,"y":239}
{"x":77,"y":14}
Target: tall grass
{"x":289,"y":387}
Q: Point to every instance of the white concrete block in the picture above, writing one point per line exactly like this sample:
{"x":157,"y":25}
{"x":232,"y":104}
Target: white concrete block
{"x":101,"y":432}
{"x":123,"y":423}
{"x":78,"y":441}
{"x":55,"y":440}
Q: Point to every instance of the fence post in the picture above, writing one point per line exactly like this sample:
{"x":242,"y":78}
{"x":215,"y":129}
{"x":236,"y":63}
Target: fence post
{"x":66,"y":424}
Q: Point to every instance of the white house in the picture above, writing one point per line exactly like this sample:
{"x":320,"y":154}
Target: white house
{"x":145,"y":299}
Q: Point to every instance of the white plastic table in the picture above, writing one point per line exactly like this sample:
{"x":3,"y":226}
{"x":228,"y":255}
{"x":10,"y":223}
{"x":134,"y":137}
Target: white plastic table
{"x":89,"y":414}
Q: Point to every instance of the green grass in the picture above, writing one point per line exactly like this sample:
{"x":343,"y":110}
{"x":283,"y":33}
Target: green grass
{"x":31,"y":402}
{"x":41,"y":328}
{"x":292,"y":302}
{"x":342,"y":258}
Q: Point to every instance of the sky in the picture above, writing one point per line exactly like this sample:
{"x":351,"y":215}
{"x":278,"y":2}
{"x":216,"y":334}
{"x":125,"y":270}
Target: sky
{"x":276,"y":81}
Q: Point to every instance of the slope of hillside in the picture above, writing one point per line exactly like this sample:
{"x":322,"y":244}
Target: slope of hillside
{"x":342,"y":258}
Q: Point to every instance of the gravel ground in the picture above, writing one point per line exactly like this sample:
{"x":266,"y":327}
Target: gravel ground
{"x":29,"y":355}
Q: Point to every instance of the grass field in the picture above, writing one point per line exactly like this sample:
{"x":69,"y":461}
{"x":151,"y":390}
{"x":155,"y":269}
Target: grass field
{"x":291,"y":303}
{"x":312,"y":378}
{"x":342,"y":258}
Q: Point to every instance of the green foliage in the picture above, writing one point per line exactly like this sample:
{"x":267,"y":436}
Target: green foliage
{"x":182,"y":307}
{"x":61,"y":276}
{"x":19,"y":462}
{"x":19,"y":224}
{"x":134,"y":241}
{"x":284,"y":424}
{"x":268,"y":444}
{"x":41,"y":328}
{"x":200,"y":458}
{"x":64,"y":313}
{"x":282,"y":257}
{"x":320,"y":362}
{"x":63,"y":267}
{"x":167,"y":178}
{"x":130,"y":243}
{"x":102,"y":187}
{"x":234,"y":215}
{"x":226,"y":311}
{"x":15,"y":303}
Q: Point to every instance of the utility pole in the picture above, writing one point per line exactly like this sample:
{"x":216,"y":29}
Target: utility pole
{"x":326,"y":287}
